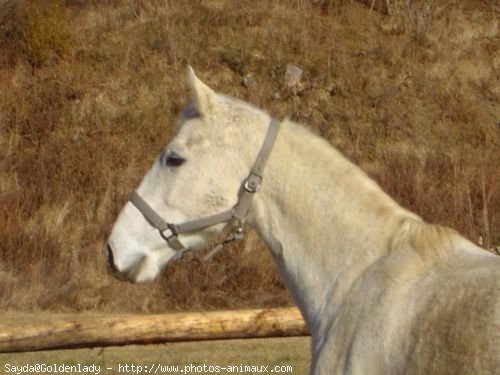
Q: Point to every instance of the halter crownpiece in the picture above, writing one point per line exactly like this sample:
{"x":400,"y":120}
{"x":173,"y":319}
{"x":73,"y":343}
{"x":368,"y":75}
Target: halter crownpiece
{"x":170,"y":232}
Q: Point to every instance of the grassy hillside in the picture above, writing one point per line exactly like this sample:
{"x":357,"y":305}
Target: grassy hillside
{"x":89,"y":91}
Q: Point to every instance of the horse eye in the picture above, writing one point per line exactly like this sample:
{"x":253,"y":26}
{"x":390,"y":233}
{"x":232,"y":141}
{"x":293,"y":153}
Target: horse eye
{"x":174,"y":160}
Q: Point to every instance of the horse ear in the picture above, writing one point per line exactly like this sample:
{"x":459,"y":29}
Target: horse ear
{"x":204,"y":98}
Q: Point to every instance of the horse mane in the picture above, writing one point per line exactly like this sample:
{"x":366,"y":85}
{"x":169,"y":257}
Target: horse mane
{"x":427,"y":240}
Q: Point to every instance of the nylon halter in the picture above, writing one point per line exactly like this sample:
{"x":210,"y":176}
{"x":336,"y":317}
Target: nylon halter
{"x":170,"y":232}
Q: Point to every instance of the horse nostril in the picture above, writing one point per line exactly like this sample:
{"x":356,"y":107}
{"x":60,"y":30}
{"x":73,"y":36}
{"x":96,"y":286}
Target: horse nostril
{"x":111,"y":261}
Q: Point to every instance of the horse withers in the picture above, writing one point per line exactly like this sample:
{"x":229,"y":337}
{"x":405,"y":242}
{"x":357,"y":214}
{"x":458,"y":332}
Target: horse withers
{"x":382,"y":291}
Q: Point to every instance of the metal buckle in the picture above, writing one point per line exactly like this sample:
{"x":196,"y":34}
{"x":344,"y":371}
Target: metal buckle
{"x":167,"y":236}
{"x":252,"y":183}
{"x":237,"y":231}
{"x":172,"y":238}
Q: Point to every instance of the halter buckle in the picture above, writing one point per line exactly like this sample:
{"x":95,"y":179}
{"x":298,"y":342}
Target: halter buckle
{"x":172,"y":237}
{"x":252,"y":183}
{"x":237,"y":232}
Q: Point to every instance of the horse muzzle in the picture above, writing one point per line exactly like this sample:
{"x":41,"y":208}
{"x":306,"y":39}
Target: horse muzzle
{"x":143,"y":270}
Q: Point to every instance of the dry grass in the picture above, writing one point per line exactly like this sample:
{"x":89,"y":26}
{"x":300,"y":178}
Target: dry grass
{"x":293,"y":351}
{"x":89,"y":92}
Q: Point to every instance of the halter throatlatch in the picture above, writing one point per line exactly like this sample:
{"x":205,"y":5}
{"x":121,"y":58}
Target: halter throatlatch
{"x":170,"y":232}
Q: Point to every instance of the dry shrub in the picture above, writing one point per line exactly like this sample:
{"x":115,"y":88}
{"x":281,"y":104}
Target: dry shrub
{"x":46,"y":33}
{"x":10,"y":38}
{"x":35,"y":29}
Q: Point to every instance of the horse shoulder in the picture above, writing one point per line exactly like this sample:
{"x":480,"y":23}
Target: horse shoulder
{"x":419,"y":311}
{"x":456,"y":329}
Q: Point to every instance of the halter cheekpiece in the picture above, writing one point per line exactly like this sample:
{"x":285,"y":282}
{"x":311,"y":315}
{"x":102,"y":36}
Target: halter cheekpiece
{"x":170,"y":232}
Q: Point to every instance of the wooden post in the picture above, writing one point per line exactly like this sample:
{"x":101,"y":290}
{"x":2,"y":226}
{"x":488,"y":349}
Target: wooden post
{"x":148,"y":329}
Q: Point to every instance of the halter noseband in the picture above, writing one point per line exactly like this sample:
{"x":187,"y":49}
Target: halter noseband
{"x":170,"y":232}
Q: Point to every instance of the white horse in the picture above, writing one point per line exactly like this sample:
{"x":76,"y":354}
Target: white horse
{"x":382,"y":291}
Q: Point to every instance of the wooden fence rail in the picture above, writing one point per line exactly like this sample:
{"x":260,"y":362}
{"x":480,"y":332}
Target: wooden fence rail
{"x":148,"y":329}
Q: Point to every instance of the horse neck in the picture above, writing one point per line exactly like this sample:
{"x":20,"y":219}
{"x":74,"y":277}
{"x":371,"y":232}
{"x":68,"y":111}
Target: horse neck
{"x":323,"y":219}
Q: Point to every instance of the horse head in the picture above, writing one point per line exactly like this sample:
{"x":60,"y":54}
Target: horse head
{"x":198,"y":185}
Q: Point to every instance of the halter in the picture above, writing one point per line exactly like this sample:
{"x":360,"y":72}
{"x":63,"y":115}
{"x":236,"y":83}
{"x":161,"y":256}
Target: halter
{"x":170,"y":232}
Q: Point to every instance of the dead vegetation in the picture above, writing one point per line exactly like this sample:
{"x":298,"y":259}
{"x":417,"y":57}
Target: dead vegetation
{"x":89,"y":92}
